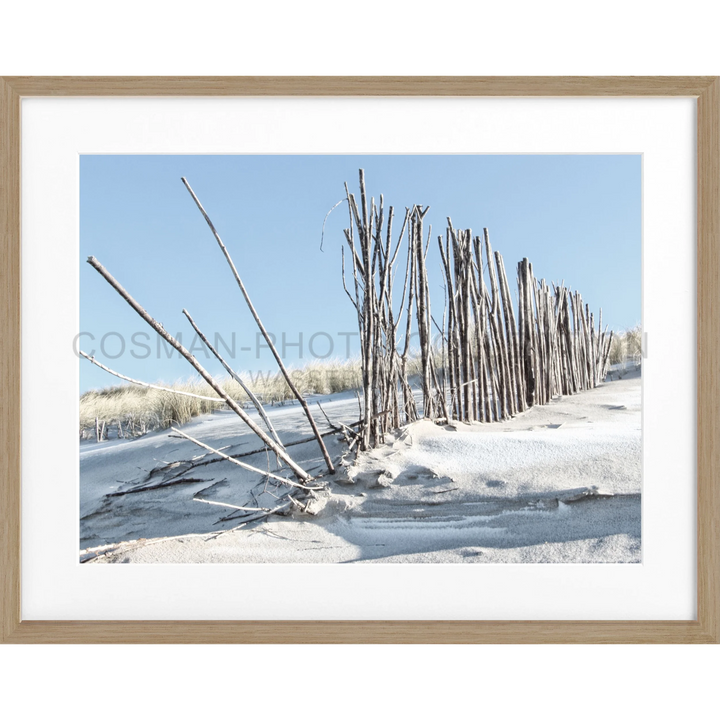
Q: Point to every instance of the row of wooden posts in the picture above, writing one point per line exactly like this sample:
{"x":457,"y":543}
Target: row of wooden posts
{"x":101,"y":429}
{"x":493,"y":361}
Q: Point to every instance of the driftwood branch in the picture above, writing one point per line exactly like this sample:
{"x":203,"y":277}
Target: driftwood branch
{"x":245,"y":466}
{"x":237,"y":378}
{"x":148,"y":385}
{"x":300,"y":473}
{"x":322,"y":234}
{"x":264,"y":332}
{"x":347,"y":292}
{"x":340,"y":427}
{"x":235,"y":507}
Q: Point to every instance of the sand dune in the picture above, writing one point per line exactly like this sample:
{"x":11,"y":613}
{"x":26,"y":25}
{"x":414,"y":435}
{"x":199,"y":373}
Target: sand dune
{"x":558,"y":483}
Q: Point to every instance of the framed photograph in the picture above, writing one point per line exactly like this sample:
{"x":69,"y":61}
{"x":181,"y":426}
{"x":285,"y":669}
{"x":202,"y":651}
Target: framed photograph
{"x":358,"y":359}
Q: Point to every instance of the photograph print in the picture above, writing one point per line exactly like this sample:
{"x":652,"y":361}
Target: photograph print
{"x":360,"y":359}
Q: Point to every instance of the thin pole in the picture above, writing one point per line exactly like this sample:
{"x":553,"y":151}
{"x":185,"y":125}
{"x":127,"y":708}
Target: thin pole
{"x":148,"y":385}
{"x":236,"y":378}
{"x":264,"y":332}
{"x":209,"y":379}
{"x":239,"y":463}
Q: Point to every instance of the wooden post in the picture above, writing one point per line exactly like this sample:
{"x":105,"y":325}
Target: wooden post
{"x":165,"y":335}
{"x":251,"y":395}
{"x":423,"y":315}
{"x":526,"y":329}
{"x":511,"y":335}
{"x":266,"y":336}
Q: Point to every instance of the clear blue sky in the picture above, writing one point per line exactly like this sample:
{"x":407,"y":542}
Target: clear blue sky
{"x":576,"y":217}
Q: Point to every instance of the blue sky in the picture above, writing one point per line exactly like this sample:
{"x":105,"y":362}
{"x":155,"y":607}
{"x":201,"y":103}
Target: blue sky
{"x":576,"y":217}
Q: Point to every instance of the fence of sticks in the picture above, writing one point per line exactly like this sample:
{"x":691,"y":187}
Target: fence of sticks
{"x":493,"y":361}
{"x":298,"y":491}
{"x":488,"y":367}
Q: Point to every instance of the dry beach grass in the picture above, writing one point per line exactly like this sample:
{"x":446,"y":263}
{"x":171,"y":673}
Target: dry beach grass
{"x":135,"y":410}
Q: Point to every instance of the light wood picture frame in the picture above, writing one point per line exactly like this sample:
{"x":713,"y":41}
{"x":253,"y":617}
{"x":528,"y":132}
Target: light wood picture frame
{"x":705,"y":629}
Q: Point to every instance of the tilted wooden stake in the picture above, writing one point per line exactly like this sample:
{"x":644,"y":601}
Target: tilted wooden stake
{"x":264,"y":332}
{"x":236,"y":378}
{"x":148,"y":385}
{"x":165,"y":335}
{"x":243,"y":465}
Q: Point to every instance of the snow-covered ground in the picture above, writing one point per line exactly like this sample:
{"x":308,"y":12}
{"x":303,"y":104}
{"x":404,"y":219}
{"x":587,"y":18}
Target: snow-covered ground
{"x":558,"y":483}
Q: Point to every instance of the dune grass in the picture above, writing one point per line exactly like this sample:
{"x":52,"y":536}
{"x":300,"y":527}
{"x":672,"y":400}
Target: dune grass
{"x":626,"y":346}
{"x":132,"y":410}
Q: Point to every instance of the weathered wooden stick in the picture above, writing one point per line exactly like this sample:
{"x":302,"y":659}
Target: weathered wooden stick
{"x":237,"y":379}
{"x":593,"y":351}
{"x":501,"y":339}
{"x":527,"y":350}
{"x":408,"y":397}
{"x":468,"y":311}
{"x":439,"y":391}
{"x":148,"y":385}
{"x":585,"y":347}
{"x":579,"y":339}
{"x":245,"y":466}
{"x":354,"y":217}
{"x":510,"y":332}
{"x":342,"y":265}
{"x":257,"y":515}
{"x":571,"y":342}
{"x":575,"y":335}
{"x":165,"y":335}
{"x":471,"y":284}
{"x":493,"y":362}
{"x":540,"y":340}
{"x":538,"y":332}
{"x":423,"y":314}
{"x":483,"y":327}
{"x":554,"y":345}
{"x":234,"y":507}
{"x":364,"y":233}
{"x":521,"y":338}
{"x":465,"y":298}
{"x":481,"y":338}
{"x":399,"y":242}
{"x":600,"y":337}
{"x":459,"y":343}
{"x":265,"y":334}
{"x":541,"y":326}
{"x":356,"y":268}
{"x":451,"y":328}
{"x":340,"y":427}
{"x":607,"y":354}
{"x":567,"y":340}
{"x":532,"y":331}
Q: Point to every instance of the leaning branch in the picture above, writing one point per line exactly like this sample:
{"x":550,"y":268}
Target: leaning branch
{"x":237,"y":379}
{"x":148,"y":385}
{"x":235,"y":507}
{"x":209,"y":379}
{"x":264,"y":332}
{"x":243,"y":465}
